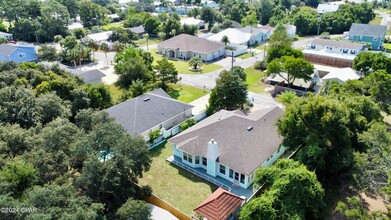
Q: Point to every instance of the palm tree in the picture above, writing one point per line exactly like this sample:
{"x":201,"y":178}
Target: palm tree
{"x":173,"y":32}
{"x":195,"y":62}
{"x":106,"y":49}
{"x":94,"y":46}
{"x":225,"y":40}
{"x":118,"y":47}
{"x":146,"y":37}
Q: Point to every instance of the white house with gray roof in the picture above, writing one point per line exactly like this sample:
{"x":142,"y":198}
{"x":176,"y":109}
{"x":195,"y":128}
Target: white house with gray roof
{"x":152,"y":111}
{"x":231,"y":144}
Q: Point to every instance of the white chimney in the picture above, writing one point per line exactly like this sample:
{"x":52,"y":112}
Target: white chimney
{"x":213,"y":154}
{"x":213,"y":151}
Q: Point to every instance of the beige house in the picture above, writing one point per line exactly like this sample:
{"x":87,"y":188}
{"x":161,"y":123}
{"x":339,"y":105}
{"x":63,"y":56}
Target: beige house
{"x":186,"y":46}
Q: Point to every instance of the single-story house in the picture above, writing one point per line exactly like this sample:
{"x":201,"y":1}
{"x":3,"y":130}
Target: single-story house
{"x":98,"y":37}
{"x":267,"y":29}
{"x":211,"y":4}
{"x":341,"y":75}
{"x":92,"y":76}
{"x":152,"y":111}
{"x":113,"y":17}
{"x":5,"y":35}
{"x":325,"y":8}
{"x":299,"y":86}
{"x":139,"y":30}
{"x":193,"y":21}
{"x":339,"y":47}
{"x":18,"y":53}
{"x":221,"y":205}
{"x":186,"y":46}
{"x":234,"y":35}
{"x":368,"y":33}
{"x":231,"y":144}
{"x":258,"y":35}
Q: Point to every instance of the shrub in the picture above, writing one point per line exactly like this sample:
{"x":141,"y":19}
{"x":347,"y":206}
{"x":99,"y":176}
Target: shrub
{"x":153,"y":135}
{"x":260,"y":65}
{"x":286,"y":97}
{"x":190,"y":122}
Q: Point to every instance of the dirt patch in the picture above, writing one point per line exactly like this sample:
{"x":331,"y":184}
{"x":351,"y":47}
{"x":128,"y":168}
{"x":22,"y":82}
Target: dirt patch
{"x":374,"y":203}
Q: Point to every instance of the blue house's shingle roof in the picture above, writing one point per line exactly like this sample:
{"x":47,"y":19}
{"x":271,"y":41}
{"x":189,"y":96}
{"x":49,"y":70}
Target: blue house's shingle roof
{"x":6,"y":49}
{"x":146,"y":111}
{"x":369,"y":30}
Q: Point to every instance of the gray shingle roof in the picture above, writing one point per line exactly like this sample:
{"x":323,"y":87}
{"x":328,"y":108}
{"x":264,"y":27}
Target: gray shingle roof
{"x":187,"y":42}
{"x":137,"y":115}
{"x":370,"y":30}
{"x":238,"y":148}
{"x":255,"y":30}
{"x":92,"y":75}
{"x":6,"y":49}
{"x":138,"y":30}
{"x":339,"y":44}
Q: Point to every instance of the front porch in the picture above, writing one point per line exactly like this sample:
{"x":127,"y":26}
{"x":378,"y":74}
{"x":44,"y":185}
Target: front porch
{"x":223,"y":183}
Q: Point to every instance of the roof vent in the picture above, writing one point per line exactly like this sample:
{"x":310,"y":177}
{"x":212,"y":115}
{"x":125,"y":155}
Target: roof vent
{"x":249,"y":128}
{"x":146,"y":99}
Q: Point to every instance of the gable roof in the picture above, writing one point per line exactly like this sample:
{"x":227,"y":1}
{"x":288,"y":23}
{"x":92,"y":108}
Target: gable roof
{"x":5,"y":34}
{"x":343,"y":75}
{"x":191,"y":21}
{"x":239,"y":149}
{"x":8,"y":49}
{"x":220,"y":205}
{"x":324,"y":8}
{"x":370,"y":30}
{"x":266,"y":27}
{"x":144,"y":112}
{"x":339,"y":44}
{"x":234,"y":35}
{"x":255,"y":30}
{"x":138,"y":30}
{"x":91,"y":75}
{"x":186,"y":42}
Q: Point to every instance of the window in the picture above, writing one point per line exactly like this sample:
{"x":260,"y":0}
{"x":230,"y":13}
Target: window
{"x":160,"y":126}
{"x":242,"y":178}
{"x":231,"y":173}
{"x":313,"y":46}
{"x":21,"y":55}
{"x":236,"y":176}
{"x":197,"y":159}
{"x":345,"y":51}
{"x":352,"y":52}
{"x":375,"y":39}
{"x":187,"y":157}
{"x":222,"y":169}
{"x":204,"y":161}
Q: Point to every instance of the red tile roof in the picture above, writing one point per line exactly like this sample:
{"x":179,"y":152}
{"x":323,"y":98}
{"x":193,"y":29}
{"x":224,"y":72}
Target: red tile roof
{"x":220,"y":205}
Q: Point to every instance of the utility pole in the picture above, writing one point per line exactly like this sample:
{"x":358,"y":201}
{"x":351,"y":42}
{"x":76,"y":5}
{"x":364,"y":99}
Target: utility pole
{"x":251,"y":27}
{"x":264,"y":50}
{"x":232,"y":63}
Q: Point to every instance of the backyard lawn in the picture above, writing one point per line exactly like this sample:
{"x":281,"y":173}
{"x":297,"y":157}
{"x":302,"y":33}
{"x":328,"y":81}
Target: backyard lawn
{"x":176,"y":186}
{"x":185,"y":93}
{"x":183,"y":67}
{"x":246,"y":55}
{"x":376,"y":20}
{"x":143,"y":42}
{"x":253,"y":80}
{"x":107,"y":27}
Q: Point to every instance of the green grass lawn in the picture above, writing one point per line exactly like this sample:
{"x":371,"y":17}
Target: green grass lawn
{"x":112,"y":25}
{"x":246,"y":55}
{"x":178,"y":187}
{"x":115,"y":92}
{"x":185,"y":93}
{"x":387,"y":47}
{"x":183,"y":67}
{"x":142,"y":42}
{"x":376,"y":20}
{"x":253,"y":80}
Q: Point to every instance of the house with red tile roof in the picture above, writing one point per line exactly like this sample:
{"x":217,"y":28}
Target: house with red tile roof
{"x":221,"y":205}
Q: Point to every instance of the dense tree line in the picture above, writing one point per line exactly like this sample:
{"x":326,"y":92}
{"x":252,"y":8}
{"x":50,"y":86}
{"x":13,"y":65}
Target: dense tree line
{"x":61,"y":156}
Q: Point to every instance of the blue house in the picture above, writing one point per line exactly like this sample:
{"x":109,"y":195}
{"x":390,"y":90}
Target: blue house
{"x":18,"y":53}
{"x":368,"y":33}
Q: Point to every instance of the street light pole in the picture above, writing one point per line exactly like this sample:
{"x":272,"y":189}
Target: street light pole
{"x":264,"y":50}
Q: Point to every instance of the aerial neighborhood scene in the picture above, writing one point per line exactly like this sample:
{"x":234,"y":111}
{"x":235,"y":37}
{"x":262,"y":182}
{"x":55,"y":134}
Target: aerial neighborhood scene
{"x":195,"y":109}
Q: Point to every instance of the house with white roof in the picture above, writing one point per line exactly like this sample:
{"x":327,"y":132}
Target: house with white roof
{"x":235,"y":36}
{"x":98,"y":37}
{"x":193,"y":21}
{"x":341,"y":75}
{"x":5,"y":35}
{"x":211,"y":4}
{"x":325,"y":8}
